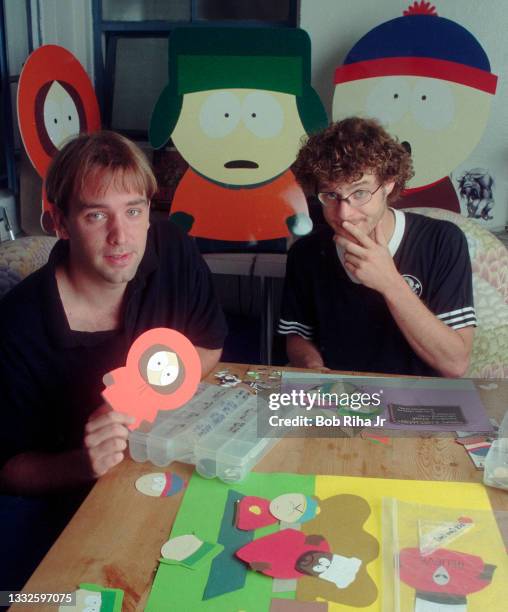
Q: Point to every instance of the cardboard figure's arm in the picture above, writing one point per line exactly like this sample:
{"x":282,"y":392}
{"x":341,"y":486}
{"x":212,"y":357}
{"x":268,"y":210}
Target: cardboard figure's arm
{"x":299,"y":224}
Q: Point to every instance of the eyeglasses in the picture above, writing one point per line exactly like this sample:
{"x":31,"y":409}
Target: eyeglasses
{"x":358,"y":198}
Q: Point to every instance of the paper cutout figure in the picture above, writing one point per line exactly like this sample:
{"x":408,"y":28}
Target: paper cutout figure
{"x":160,"y":484}
{"x":337,"y":569}
{"x":56,"y":101}
{"x":341,"y":521}
{"x":446,"y":577}
{"x":291,"y":554}
{"x":162,"y":372}
{"x":227,"y":573}
{"x":428,"y":80}
{"x":433,"y":535}
{"x":277,"y":554}
{"x":189,"y":551}
{"x":95,"y":598}
{"x":236,"y":106}
{"x":256,"y":512}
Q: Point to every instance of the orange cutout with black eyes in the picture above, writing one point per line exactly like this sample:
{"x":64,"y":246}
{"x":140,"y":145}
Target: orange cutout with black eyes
{"x":56,"y":102}
{"x":162,"y":372}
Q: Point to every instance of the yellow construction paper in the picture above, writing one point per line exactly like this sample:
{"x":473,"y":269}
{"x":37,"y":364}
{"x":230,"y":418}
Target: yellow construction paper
{"x":460,"y":495}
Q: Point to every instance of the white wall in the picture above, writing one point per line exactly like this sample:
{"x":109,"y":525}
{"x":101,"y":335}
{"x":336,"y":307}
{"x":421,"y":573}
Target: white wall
{"x":335,"y":26}
{"x":67,"y":23}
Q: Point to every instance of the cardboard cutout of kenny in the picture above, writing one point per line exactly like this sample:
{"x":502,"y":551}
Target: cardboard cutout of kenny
{"x":237,"y":105}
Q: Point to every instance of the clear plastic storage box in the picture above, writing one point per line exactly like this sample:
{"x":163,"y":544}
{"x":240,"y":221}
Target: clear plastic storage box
{"x":217,"y":431}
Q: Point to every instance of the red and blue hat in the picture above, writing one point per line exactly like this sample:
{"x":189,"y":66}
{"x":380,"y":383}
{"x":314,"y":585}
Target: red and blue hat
{"x":419,"y":44}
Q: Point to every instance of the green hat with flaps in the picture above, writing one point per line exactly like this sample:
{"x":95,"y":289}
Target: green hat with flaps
{"x":202,"y":59}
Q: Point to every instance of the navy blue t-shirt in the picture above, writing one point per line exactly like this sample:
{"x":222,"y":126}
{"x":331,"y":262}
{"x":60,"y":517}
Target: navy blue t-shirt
{"x":51,"y":376}
{"x":351,"y":324}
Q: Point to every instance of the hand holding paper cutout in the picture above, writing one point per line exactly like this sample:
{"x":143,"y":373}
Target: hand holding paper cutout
{"x":105,"y":439}
{"x":162,"y":372}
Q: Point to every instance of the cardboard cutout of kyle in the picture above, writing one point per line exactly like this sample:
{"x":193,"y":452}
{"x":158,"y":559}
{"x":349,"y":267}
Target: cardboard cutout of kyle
{"x":428,"y":80}
{"x":236,"y":107}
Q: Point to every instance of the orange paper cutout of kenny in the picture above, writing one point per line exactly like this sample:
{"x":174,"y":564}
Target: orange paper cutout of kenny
{"x":162,"y":372}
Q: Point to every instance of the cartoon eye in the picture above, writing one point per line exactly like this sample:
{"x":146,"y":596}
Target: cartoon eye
{"x":432,"y":104}
{"x":61,"y":117}
{"x":262,"y":114}
{"x":220,"y":114}
{"x":324,"y":561}
{"x":319,"y":569}
{"x":169,"y":374}
{"x":388,"y":101}
{"x":158,"y":361}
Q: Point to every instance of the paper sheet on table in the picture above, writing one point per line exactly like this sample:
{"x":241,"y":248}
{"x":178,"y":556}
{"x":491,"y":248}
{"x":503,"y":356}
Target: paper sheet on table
{"x":175,"y":587}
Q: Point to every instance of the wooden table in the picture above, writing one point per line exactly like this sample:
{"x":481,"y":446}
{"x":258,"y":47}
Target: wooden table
{"x":115,"y":537}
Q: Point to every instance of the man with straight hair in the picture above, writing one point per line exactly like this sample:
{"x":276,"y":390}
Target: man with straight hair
{"x":109,"y":278}
{"x":376,"y":289}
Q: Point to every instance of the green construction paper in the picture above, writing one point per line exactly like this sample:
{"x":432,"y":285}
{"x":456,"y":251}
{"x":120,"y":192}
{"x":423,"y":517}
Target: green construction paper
{"x":202,"y":509}
{"x":208,"y":551}
{"x":112,"y":598}
{"x":227,"y":573}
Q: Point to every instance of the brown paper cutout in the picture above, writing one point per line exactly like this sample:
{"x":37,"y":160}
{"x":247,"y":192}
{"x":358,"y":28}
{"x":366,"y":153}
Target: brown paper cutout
{"x":341,"y":522}
{"x":291,"y":605}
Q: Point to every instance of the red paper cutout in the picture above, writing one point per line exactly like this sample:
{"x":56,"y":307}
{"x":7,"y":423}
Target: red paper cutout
{"x":444,"y":571}
{"x":253,"y":512}
{"x":128,"y":389}
{"x":280,"y":550}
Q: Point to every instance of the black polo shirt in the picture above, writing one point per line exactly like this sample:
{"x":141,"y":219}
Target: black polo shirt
{"x":351,"y":324}
{"x":51,"y":376}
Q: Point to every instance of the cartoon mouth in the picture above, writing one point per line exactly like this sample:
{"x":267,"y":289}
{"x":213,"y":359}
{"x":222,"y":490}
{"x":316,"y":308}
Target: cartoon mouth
{"x":406,"y":146}
{"x":241,"y":163}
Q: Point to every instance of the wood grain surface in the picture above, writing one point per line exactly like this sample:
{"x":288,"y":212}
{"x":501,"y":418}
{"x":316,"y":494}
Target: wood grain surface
{"x":115,"y":537}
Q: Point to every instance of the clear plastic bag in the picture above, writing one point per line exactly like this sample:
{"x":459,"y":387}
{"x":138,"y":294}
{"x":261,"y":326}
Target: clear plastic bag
{"x":439,"y":559}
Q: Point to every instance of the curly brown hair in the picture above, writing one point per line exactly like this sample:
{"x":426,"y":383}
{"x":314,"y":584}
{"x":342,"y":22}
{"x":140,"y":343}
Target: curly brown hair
{"x":347,"y":149}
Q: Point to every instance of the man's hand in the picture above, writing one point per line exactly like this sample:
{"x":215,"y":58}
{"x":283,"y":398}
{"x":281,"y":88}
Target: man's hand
{"x":367,"y":259}
{"x":106,"y":438}
{"x":304,"y":354}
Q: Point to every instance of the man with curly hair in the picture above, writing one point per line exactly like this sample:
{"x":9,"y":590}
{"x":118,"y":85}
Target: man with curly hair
{"x":376,"y":289}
